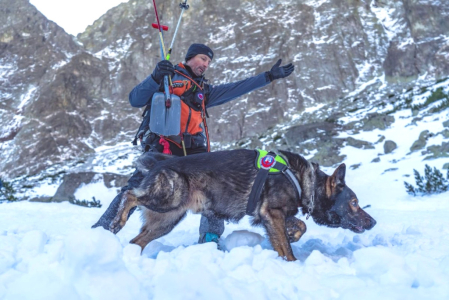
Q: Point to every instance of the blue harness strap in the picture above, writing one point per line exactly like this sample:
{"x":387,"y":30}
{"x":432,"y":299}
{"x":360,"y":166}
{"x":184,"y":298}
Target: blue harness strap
{"x":268,"y":163}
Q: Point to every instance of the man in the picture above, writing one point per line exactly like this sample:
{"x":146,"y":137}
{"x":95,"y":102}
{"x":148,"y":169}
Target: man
{"x":197,"y":95}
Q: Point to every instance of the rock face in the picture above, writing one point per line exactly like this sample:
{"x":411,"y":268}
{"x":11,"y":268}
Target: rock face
{"x":61,"y":97}
{"x":32,"y":49}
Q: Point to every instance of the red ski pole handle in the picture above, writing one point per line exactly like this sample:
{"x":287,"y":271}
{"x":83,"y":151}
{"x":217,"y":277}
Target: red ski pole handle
{"x":155,"y":26}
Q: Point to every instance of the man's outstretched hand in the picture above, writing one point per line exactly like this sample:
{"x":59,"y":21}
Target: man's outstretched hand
{"x":278,"y":72}
{"x":163,"y":68}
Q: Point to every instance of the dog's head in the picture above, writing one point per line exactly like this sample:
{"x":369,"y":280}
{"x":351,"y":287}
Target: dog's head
{"x":336,"y":205}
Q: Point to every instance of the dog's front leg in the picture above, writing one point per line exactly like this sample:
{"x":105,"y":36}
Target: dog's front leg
{"x":128,"y":201}
{"x":274,"y":222}
{"x":157,"y":224}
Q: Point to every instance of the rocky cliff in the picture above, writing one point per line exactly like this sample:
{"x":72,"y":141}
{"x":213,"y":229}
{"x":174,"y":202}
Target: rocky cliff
{"x":62,"y":97}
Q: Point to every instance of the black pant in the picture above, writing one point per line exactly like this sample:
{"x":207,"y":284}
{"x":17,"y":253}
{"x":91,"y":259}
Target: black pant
{"x":207,"y":224}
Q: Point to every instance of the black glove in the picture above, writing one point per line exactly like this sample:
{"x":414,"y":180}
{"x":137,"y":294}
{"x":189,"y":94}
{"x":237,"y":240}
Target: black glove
{"x":162,"y":69}
{"x":277,"y":72}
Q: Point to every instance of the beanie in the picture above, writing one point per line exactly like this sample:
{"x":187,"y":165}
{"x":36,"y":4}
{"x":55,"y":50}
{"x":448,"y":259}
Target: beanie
{"x":196,"y":49}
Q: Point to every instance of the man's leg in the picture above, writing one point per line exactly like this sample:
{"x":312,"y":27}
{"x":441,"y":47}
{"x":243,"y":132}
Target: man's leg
{"x":111,"y":212}
{"x":211,"y":228}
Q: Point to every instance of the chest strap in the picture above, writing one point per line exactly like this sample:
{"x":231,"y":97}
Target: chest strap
{"x":269,"y":163}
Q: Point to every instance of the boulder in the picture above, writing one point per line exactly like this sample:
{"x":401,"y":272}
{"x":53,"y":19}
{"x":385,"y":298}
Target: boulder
{"x":72,"y":181}
{"x":389,"y":146}
{"x":420,"y":143}
{"x":359,"y":143}
{"x":438,"y":151}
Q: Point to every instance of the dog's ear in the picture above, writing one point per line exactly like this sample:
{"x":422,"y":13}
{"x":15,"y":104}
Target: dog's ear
{"x":338,"y":178}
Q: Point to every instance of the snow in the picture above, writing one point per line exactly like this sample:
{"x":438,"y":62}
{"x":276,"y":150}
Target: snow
{"x":364,"y":85}
{"x":98,"y":189}
{"x":13,"y":125}
{"x":388,"y":18}
{"x":241,"y":238}
{"x":46,"y":189}
{"x":26,"y":97}
{"x":51,"y":250}
{"x":113,"y":53}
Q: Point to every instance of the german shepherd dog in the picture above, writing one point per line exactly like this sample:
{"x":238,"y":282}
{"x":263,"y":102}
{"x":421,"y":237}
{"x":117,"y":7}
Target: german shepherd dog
{"x":219,"y":184}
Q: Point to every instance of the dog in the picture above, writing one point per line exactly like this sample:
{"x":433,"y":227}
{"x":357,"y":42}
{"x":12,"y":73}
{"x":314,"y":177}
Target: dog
{"x":219,"y":183}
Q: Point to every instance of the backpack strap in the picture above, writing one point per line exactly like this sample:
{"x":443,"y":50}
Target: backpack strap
{"x":144,"y":126}
{"x":204,"y":113}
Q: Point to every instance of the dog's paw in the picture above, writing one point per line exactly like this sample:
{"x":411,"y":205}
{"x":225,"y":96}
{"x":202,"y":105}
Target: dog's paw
{"x":295,"y":229}
{"x":115,"y":226}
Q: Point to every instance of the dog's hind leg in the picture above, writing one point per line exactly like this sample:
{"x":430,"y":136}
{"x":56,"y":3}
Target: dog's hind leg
{"x":157,"y":224}
{"x":295,"y":229}
{"x":128,"y":201}
{"x":274,"y":222}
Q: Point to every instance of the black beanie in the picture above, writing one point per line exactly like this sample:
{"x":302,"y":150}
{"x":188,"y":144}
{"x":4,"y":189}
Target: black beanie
{"x":196,"y":49}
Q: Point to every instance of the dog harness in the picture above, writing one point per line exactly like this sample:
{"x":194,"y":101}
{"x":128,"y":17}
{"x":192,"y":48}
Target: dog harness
{"x":269,"y":163}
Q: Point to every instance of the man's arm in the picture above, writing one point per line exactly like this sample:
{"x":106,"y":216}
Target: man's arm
{"x":220,"y":94}
{"x":142,"y":94}
{"x":223,"y":93}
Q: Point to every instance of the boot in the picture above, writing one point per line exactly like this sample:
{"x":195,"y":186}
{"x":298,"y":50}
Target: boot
{"x":210,"y":237}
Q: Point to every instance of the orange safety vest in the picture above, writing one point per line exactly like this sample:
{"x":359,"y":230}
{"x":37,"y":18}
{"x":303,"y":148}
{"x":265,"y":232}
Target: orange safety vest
{"x":191,"y":119}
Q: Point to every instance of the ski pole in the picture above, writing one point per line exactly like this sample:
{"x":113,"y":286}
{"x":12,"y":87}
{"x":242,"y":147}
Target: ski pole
{"x":183,"y":7}
{"x":161,"y":40}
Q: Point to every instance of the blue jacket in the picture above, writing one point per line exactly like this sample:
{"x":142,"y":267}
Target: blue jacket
{"x":142,"y":94}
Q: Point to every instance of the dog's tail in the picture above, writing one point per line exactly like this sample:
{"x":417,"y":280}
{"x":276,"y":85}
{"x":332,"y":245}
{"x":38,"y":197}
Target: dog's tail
{"x":147,"y":161}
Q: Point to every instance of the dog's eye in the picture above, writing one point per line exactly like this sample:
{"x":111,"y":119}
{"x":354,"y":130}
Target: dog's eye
{"x":354,"y":203}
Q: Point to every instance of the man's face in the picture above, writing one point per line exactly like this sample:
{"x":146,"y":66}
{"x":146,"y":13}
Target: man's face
{"x":199,"y":64}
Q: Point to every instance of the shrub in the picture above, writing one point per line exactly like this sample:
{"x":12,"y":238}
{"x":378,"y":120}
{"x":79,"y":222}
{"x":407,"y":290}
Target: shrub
{"x":433,"y":182}
{"x":86,"y":203}
{"x":7,"y":192}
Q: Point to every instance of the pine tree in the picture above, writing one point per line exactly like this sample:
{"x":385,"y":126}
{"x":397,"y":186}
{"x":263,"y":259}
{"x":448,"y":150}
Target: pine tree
{"x":7,"y":191}
{"x":86,"y":203}
{"x":433,"y":182}
{"x":410,"y":189}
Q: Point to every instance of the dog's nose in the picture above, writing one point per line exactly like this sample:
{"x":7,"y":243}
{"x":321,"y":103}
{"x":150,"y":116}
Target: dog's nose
{"x":371,"y":223}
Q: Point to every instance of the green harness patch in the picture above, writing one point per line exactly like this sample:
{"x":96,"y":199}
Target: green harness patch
{"x":262,"y":153}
